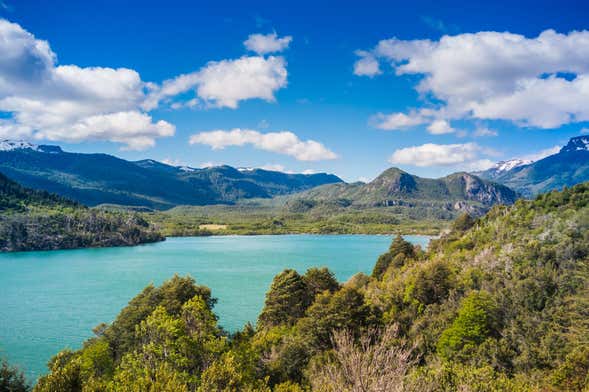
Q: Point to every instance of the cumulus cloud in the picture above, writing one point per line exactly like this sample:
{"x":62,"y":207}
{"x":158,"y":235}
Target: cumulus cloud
{"x":538,"y":82}
{"x":397,"y":121}
{"x":466,"y":156}
{"x":67,"y":102}
{"x":225,"y":83}
{"x":367,"y":65}
{"x":283,"y":142}
{"x":268,"y":43}
{"x":40,"y":99}
{"x":440,"y":127}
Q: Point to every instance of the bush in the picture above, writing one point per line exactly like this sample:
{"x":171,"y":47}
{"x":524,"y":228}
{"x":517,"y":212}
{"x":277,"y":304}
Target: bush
{"x":477,"y":320}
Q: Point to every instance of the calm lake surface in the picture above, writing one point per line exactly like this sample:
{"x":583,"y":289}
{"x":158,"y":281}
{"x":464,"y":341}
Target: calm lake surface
{"x":52,"y":300}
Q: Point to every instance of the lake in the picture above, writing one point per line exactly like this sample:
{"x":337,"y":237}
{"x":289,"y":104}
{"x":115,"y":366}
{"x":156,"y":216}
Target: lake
{"x":52,"y":300}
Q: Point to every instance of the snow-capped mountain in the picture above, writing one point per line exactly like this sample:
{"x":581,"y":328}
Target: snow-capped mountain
{"x":502,"y":167}
{"x":10,"y":145}
{"x":13,"y":145}
{"x":568,"y":167}
{"x":579,"y":143}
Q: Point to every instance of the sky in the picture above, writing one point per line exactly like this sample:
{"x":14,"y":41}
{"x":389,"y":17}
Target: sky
{"x":349,"y":88}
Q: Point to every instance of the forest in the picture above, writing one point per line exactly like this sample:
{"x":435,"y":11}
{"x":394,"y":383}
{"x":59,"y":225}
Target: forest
{"x":38,"y":220}
{"x":497,"y":303}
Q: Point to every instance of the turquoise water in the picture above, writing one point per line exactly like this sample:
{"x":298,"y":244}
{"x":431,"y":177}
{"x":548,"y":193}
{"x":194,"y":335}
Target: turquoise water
{"x":52,"y":300}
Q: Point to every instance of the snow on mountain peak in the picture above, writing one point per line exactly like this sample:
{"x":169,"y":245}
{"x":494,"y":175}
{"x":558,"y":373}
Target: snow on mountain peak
{"x":579,"y":143}
{"x":505,"y":166}
{"x":14,"y":145}
{"x":11,"y":145}
{"x":186,"y":169}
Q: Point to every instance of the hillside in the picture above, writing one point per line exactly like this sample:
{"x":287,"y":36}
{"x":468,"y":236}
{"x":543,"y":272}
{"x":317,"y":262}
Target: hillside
{"x":568,"y":167}
{"x":496,"y":304}
{"x":394,"y":187}
{"x":37,"y":220}
{"x":94,"y":179}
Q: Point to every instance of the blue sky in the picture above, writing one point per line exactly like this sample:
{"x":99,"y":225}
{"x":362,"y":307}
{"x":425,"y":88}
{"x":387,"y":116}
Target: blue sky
{"x":312,"y":89}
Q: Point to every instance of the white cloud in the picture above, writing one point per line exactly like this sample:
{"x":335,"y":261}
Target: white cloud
{"x":397,"y":121}
{"x":367,"y":65}
{"x":280,"y":142}
{"x":440,"y":127}
{"x":484,"y":131}
{"x":268,"y":43}
{"x":67,"y":102}
{"x":539,"y":82}
{"x":466,"y":156}
{"x":45,"y":100}
{"x":584,"y":131}
{"x":225,"y":83}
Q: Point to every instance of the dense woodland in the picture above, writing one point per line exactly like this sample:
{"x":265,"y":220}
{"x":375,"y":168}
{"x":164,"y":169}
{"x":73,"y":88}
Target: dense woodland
{"x":37,"y":220}
{"x":499,"y":303}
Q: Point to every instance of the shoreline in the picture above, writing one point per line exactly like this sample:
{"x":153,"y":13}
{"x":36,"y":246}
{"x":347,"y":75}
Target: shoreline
{"x":165,"y":238}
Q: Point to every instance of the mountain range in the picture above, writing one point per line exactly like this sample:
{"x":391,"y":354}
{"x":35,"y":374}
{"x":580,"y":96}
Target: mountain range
{"x":394,"y":187}
{"x":566,"y":168}
{"x":94,"y":179}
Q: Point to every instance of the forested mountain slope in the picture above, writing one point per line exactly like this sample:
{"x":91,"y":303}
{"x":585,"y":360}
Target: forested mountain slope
{"x":37,"y":220}
{"x":94,"y":179}
{"x":499,"y":303}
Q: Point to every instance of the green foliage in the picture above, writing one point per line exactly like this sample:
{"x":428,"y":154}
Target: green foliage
{"x":229,"y":374}
{"x":477,"y":320}
{"x":319,"y":280}
{"x":172,"y":295}
{"x":433,"y":283}
{"x":36,"y":220}
{"x":286,"y":301}
{"x":344,"y":309}
{"x":573,"y":373}
{"x":12,"y":379}
{"x":162,"y":341}
{"x":463,"y":222}
{"x":399,"y":251}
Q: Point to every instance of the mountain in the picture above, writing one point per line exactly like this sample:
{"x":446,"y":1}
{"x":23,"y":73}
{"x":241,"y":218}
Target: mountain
{"x":394,"y":187}
{"x":94,"y":179}
{"x":568,"y":167}
{"x":501,"y":168}
{"x":38,"y":220}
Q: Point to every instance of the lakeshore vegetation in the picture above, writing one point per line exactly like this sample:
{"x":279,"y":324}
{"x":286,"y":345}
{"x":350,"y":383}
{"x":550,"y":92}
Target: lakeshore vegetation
{"x":499,"y":303}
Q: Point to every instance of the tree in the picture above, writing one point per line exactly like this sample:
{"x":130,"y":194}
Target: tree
{"x":399,"y":251}
{"x":477,"y":320}
{"x":433,"y":283}
{"x":171,"y":295}
{"x":319,"y":280}
{"x":463,"y":222}
{"x":344,"y":309}
{"x":229,"y":374}
{"x":286,"y":300}
{"x":12,"y":379}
